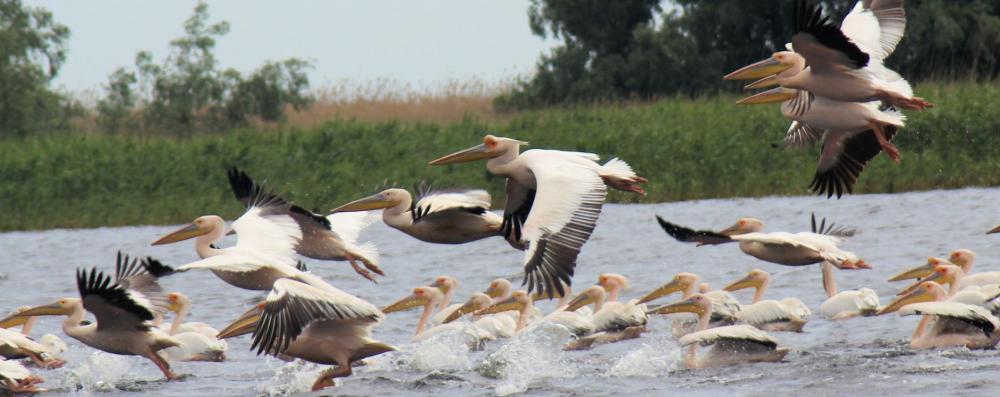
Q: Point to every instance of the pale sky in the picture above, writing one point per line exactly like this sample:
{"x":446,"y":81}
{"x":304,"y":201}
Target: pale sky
{"x":422,"y":43}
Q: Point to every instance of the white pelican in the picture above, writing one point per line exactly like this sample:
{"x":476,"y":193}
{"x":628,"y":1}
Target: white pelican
{"x":17,"y":345}
{"x":442,"y":308}
{"x":17,"y":379}
{"x":499,"y":325}
{"x":921,"y":271}
{"x":430,"y":298}
{"x":453,"y":216}
{"x":724,"y":312}
{"x":956,"y":323}
{"x":331,"y":237}
{"x":837,"y":63}
{"x":789,"y":249}
{"x":956,"y":279}
{"x":788,"y":314}
{"x":124,"y":310}
{"x":609,"y":316}
{"x":846,"y":304}
{"x":553,"y":201}
{"x":199,"y":341}
{"x":320,"y":325}
{"x":54,"y":343}
{"x":732,"y":344}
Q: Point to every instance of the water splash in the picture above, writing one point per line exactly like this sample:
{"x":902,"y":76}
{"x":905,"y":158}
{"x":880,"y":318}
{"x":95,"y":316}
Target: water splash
{"x":443,"y":352}
{"x":102,"y":372}
{"x":291,"y":378}
{"x":654,"y":359}
{"x":529,"y":357}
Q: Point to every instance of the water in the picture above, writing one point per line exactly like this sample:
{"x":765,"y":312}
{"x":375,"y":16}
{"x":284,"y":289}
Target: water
{"x":860,"y":356}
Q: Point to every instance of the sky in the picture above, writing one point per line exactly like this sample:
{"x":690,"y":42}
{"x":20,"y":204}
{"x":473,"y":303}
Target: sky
{"x":420,"y":43}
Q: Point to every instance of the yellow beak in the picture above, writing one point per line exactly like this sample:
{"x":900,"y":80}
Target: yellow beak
{"x":500,"y":307}
{"x":918,"y":272}
{"x":994,"y":230}
{"x":188,"y":231}
{"x":774,"y":95}
{"x":493,"y":292}
{"x":579,"y":301}
{"x":685,"y":306}
{"x":245,"y":324}
{"x":478,"y":152}
{"x":52,"y":309}
{"x":916,"y":296}
{"x":664,"y":290}
{"x":757,"y":70}
{"x":373,"y":202}
{"x":13,"y":320}
{"x":769,"y":81}
{"x":745,"y":282}
{"x":935,"y":277}
{"x":404,"y":304}
{"x":467,"y":308}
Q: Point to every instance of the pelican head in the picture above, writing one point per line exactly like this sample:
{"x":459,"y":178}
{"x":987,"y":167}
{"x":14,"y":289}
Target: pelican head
{"x":774,"y":95}
{"x":777,"y":63}
{"x":422,"y":296}
{"x":681,"y":282}
{"x":478,"y":301}
{"x":243,"y":325}
{"x":492,"y":146}
{"x":445,"y":283}
{"x":920,"y":271}
{"x":61,"y":307}
{"x":943,"y":274}
{"x":610,"y":281}
{"x":499,"y":288}
{"x":200,"y":227}
{"x":703,"y":288}
{"x":755,"y":279}
{"x":962,"y":257}
{"x":518,"y":300}
{"x":994,"y":230}
{"x":384,"y":199}
{"x":698,"y":304}
{"x":177,"y":301}
{"x":592,"y":294}
{"x":743,"y":226}
{"x":926,"y":291}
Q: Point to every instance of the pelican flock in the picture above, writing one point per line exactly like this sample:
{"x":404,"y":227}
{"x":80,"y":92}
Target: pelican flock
{"x":830,"y":82}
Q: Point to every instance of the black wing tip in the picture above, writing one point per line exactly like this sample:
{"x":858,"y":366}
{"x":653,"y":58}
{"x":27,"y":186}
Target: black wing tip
{"x":301,"y":266}
{"x":241,"y":183}
{"x":156,"y":268}
{"x":809,"y":18}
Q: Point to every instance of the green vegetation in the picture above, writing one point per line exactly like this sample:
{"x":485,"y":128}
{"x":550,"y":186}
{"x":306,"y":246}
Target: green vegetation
{"x":688,"y":149}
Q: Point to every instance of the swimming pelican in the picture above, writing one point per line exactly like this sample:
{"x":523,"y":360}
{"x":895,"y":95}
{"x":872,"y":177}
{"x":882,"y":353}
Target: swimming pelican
{"x":124,"y":310}
{"x":453,"y":216}
{"x":609,"y":316}
{"x":431,"y":298}
{"x":441,"y":308}
{"x":321,"y":325}
{"x":788,"y":314}
{"x":956,"y":279}
{"x":332,"y":237}
{"x":17,"y":345}
{"x":731,"y":344}
{"x":836,"y":63}
{"x":845,"y":304}
{"x":199,"y":341}
{"x":499,"y":325}
{"x":54,"y":343}
{"x":956,"y":324}
{"x":798,"y":249}
{"x":723,"y":313}
{"x":921,"y":271}
{"x":553,"y":201}
{"x":17,"y":379}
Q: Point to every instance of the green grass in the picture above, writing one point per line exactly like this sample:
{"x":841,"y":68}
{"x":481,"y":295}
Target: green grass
{"x":689,"y":149}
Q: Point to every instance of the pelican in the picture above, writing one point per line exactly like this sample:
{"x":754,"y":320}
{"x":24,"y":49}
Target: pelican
{"x":798,"y":249}
{"x":846,"y":304}
{"x":320,"y":325}
{"x":964,"y":259}
{"x":54,"y":343}
{"x":724,"y":311}
{"x":331,"y":237}
{"x":17,"y":379}
{"x":921,"y":271}
{"x":454,"y":216}
{"x":17,"y":345}
{"x":609,"y":316}
{"x":441,"y":309}
{"x":553,"y":201}
{"x":788,"y":314}
{"x":499,"y":325}
{"x":839,"y":67}
{"x":431,"y":297}
{"x":199,"y":341}
{"x":124,"y":310}
{"x":956,"y":323}
{"x":732,"y":344}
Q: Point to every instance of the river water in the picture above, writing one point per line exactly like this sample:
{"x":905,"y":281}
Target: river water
{"x":860,"y":356}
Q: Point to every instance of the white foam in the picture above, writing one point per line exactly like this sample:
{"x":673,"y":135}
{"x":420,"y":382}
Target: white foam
{"x":532,"y":356}
{"x":443,"y":352}
{"x":100,"y":373}
{"x":291,"y":378}
{"x":656,"y":358}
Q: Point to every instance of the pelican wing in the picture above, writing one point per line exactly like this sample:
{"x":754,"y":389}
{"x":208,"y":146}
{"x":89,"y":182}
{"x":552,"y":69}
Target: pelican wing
{"x":832,"y":229}
{"x":139,"y":278}
{"x":17,"y":341}
{"x":520,"y":198}
{"x":725,"y":307}
{"x":740,"y":332}
{"x":441,"y":203}
{"x":13,"y":370}
{"x":843,"y":158}
{"x":252,"y":194}
{"x":971,"y":314}
{"x":824,"y":46}
{"x":114,"y":306}
{"x":688,"y":235}
{"x":563,"y":216}
{"x":767,"y":311}
{"x":801,"y":135}
{"x":274,"y":235}
{"x":292,"y":305}
{"x":876,"y":26}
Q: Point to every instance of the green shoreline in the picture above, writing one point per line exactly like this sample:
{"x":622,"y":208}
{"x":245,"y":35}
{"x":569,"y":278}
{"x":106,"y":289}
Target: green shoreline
{"x":688,"y":149}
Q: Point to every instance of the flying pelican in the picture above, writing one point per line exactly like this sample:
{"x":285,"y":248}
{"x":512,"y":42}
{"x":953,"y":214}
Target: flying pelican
{"x":17,"y":379}
{"x":54,"y":343}
{"x":798,"y":249}
{"x":332,"y":237}
{"x":320,"y":325}
{"x":453,"y":216}
{"x":956,"y":324}
{"x":553,"y":201}
{"x":788,"y":314}
{"x":199,"y":341}
{"x":724,"y":311}
{"x":836,"y":63}
{"x":124,"y":310}
{"x":845,"y":304}
{"x":732,"y":344}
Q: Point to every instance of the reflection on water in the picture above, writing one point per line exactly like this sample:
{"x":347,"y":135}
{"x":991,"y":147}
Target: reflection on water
{"x":866,"y":355}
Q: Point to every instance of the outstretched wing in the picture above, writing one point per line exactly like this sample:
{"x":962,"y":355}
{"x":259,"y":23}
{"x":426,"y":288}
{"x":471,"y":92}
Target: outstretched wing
{"x":114,"y":306}
{"x":824,"y":46}
{"x":832,"y":229}
{"x":441,"y":203}
{"x":688,"y":235}
{"x":843,"y":158}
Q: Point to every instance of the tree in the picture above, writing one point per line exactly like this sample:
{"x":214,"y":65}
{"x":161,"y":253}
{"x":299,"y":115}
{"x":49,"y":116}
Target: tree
{"x":32,"y":49}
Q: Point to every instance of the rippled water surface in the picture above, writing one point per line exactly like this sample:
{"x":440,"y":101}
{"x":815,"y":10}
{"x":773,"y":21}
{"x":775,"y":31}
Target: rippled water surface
{"x":860,"y":356}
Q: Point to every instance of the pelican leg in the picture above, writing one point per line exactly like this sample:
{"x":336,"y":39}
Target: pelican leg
{"x":890,"y":150}
{"x":326,"y":378}
{"x":162,"y":365}
{"x":360,"y":270}
{"x":43,"y":363}
{"x":627,"y":185}
{"x":898,"y":100}
{"x":26,"y":385}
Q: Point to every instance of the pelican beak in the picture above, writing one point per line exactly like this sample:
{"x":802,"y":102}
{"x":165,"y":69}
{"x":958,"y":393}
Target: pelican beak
{"x":935,"y":277}
{"x":493,"y":292}
{"x":478,"y":152}
{"x":916,"y":296}
{"x":918,"y":272}
{"x":743,"y":283}
{"x":733,"y":230}
{"x":52,"y":309}
{"x":994,"y":230}
{"x":467,"y":308}
{"x":769,"y":81}
{"x":246,"y":324}
{"x":190,"y":230}
{"x":579,"y":301}
{"x":404,"y":304}
{"x":774,"y":95}
{"x":174,"y":306}
{"x":537,"y":296}
{"x":664,"y":290}
{"x":13,"y":320}
{"x":685,"y":306}
{"x":373,"y":202}
{"x":757,"y":70}
{"x":503,"y":306}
